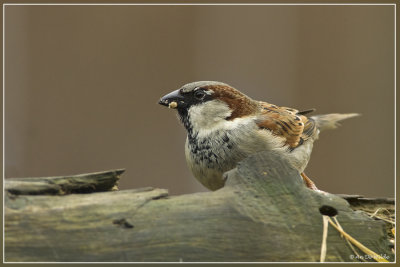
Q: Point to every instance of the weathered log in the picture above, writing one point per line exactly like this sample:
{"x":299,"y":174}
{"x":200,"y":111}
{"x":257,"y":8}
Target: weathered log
{"x":263,"y":214}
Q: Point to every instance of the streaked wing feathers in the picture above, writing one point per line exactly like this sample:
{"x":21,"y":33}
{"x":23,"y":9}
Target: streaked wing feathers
{"x":287,"y":123}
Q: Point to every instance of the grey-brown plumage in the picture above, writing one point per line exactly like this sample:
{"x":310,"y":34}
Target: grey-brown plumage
{"x":225,"y":126}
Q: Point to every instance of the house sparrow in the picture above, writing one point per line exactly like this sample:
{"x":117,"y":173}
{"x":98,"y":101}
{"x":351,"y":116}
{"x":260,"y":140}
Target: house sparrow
{"x":224,"y":126}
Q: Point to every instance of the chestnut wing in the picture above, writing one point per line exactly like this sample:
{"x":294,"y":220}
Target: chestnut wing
{"x":288,"y":123}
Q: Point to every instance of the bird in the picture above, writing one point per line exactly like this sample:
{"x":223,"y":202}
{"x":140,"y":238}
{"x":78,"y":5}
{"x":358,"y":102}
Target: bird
{"x":224,"y":126}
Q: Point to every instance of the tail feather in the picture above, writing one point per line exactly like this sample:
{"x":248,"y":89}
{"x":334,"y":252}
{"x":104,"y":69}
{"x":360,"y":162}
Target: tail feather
{"x":331,"y":121}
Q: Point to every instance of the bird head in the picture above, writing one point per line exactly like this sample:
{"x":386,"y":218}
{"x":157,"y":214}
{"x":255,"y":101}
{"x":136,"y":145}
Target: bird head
{"x":206,"y":103}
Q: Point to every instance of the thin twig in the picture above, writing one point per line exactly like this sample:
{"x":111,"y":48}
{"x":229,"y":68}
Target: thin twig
{"x":374,"y":215}
{"x":363,"y":248}
{"x":348,"y":242}
{"x":325,"y":220}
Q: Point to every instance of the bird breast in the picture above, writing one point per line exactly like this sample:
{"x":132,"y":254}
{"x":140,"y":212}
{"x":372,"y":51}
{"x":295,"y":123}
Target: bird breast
{"x":209,"y":156}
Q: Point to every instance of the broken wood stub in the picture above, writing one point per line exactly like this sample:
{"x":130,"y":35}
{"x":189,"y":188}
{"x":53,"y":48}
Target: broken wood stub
{"x":84,"y":183}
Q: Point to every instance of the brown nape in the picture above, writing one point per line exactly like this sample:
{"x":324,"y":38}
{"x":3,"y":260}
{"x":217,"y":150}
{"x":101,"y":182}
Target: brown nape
{"x":240,"y":104}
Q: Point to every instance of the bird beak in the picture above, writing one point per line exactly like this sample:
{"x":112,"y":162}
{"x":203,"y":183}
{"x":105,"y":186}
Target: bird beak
{"x":172,"y":100}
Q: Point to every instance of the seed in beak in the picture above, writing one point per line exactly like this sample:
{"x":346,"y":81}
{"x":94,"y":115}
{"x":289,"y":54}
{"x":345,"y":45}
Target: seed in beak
{"x":173,"y":104}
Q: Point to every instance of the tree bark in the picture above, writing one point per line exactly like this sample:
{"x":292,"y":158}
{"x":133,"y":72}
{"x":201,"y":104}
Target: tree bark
{"x":263,"y":214}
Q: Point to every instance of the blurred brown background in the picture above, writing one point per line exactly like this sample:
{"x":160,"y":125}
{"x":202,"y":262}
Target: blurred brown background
{"x":82,"y":85}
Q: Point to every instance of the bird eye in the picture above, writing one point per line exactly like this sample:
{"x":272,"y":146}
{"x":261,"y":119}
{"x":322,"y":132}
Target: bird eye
{"x":199,"y":94}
